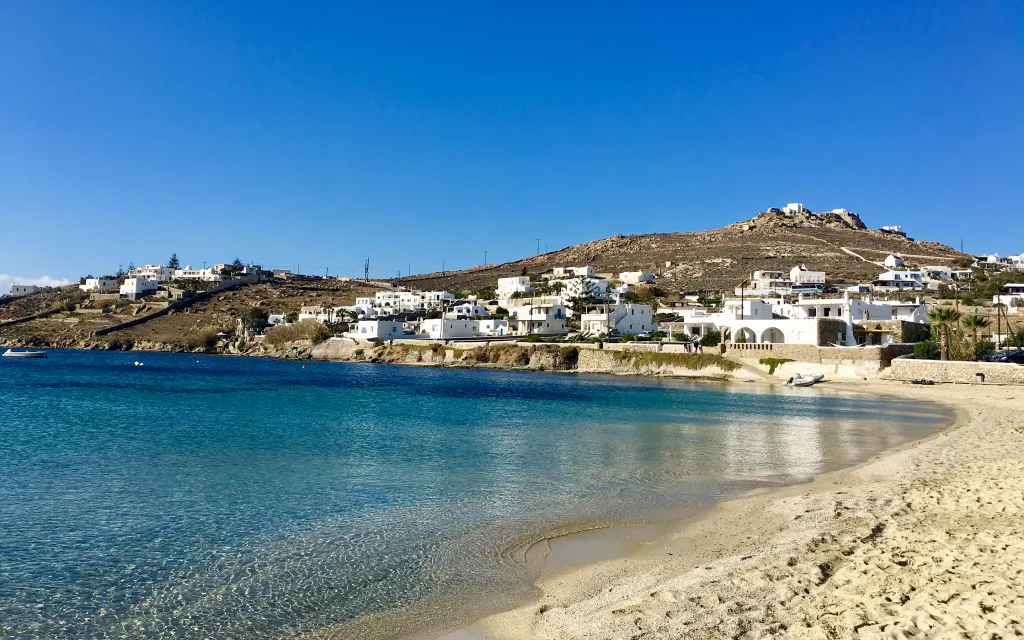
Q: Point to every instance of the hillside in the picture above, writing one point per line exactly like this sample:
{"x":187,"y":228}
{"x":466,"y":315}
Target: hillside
{"x":73,"y":329}
{"x":722,"y":258}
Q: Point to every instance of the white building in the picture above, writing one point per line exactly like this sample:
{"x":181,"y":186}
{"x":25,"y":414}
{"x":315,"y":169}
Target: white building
{"x":852,"y":309}
{"x":587,"y":272}
{"x":99,"y":285}
{"x":619,"y":318}
{"x":18,"y":290}
{"x":794,"y":207}
{"x":465,"y":309}
{"x":801,"y":275}
{"x":538,"y":319}
{"x":1012,"y":295}
{"x":893,"y":261}
{"x":153,"y":272}
{"x":135,"y":288}
{"x":809,"y":322}
{"x":574,"y":287}
{"x":766,"y":283}
{"x":377,"y":329}
{"x":451,"y":328}
{"x":636,"y":277}
{"x":208,"y":274}
{"x":277,"y":318}
{"x":900,"y":281}
{"x":508,"y":286}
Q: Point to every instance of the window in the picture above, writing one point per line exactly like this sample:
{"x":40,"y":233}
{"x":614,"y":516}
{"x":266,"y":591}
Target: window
{"x":828,"y":311}
{"x":812,"y":313}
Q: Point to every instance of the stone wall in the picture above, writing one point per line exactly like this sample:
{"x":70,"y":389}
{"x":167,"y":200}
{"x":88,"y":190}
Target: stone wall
{"x":836,"y":362}
{"x":955,"y":371}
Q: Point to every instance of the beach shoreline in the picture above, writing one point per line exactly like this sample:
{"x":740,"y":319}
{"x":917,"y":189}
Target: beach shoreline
{"x":834,"y":557}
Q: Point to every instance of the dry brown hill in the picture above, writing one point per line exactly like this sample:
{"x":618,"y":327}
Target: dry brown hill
{"x":722,"y":258}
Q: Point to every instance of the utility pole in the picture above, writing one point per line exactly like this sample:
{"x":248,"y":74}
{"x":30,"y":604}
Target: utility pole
{"x":538,"y":246}
{"x":443,"y":272}
{"x":408,"y":270}
{"x":485,"y":256}
{"x":366,"y":270}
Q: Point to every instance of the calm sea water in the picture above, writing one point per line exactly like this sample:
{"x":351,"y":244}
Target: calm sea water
{"x":229,"y":498}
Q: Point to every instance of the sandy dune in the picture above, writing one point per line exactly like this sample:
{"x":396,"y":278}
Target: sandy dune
{"x":923,"y":542}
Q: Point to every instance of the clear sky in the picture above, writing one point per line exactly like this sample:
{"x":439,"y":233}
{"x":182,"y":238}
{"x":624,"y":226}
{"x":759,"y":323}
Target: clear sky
{"x":319,"y":134}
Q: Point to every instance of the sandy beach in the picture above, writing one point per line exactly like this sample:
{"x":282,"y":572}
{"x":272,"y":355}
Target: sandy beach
{"x":923,"y":541}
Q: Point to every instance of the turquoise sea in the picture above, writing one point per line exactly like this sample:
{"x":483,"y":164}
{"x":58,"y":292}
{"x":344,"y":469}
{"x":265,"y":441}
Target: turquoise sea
{"x":216,"y":497}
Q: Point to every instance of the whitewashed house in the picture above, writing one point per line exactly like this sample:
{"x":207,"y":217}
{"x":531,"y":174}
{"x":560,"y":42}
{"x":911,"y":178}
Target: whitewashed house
{"x":766,"y":283}
{"x":619,"y":318}
{"x":508,"y":286}
{"x":451,"y":328}
{"x":574,"y":287}
{"x":153,"y":272}
{"x":465,"y":309}
{"x":802,"y":275}
{"x":538,"y":319}
{"x":1012,"y":295}
{"x":900,"y":281}
{"x":852,"y":309}
{"x":377,"y":329}
{"x":893,"y":261}
{"x":636,"y":277}
{"x":18,"y":290}
{"x":99,"y":285}
{"x":209,"y":274}
{"x":135,"y":288}
{"x":587,"y":271}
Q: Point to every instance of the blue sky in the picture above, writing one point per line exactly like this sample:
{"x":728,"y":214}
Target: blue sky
{"x":319,"y":133}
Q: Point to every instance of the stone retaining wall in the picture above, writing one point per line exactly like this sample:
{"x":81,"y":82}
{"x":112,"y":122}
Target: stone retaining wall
{"x":955,"y":371}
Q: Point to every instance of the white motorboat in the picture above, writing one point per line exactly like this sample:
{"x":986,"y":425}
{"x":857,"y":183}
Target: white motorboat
{"x":800,"y":380}
{"x":27,"y":353}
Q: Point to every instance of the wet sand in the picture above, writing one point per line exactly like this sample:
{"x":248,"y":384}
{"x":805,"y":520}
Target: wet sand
{"x":926,"y":541}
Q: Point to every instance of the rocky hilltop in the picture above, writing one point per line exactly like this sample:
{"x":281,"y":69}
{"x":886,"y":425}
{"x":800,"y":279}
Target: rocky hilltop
{"x":838,"y":243}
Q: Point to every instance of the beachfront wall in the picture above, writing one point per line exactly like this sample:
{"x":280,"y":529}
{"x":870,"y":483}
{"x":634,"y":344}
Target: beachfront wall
{"x":955,"y":371}
{"x":834,"y":362}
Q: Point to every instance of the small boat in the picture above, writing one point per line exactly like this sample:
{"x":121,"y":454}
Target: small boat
{"x":800,"y":380}
{"x":28,"y":353}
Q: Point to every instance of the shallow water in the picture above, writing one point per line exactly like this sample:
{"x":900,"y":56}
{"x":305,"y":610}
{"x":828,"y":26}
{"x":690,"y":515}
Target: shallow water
{"x":227,"y":498}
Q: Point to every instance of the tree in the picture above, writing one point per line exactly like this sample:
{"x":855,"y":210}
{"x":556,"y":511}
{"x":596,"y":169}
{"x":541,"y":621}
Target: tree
{"x":943,"y":318}
{"x":583,"y":301}
{"x":974,"y":323}
{"x":711,"y":338}
{"x":237,"y":263}
{"x":255,"y":319}
{"x":131,"y":266}
{"x":173,"y":263}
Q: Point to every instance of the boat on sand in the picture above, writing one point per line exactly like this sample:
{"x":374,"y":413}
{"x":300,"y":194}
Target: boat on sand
{"x":800,"y":380}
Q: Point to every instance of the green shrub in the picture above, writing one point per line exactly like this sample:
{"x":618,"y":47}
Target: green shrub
{"x":205,"y":339}
{"x":926,"y":350}
{"x":309,"y":329}
{"x":983,"y":348}
{"x":774,"y":363}
{"x":712,"y":338}
{"x":359,"y":353}
{"x":692,"y":361}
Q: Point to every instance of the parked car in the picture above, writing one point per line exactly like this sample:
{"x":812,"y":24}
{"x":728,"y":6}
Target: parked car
{"x":1015,"y":356}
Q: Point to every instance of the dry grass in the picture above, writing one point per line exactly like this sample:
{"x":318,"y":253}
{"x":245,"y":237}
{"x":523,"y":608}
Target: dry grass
{"x":692,"y":361}
{"x":311,"y":330}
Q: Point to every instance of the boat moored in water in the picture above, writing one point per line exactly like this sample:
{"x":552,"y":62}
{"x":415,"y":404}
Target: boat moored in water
{"x":27,"y":353}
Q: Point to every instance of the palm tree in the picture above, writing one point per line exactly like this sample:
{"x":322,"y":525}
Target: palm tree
{"x":974,"y":323}
{"x":942,"y":318}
